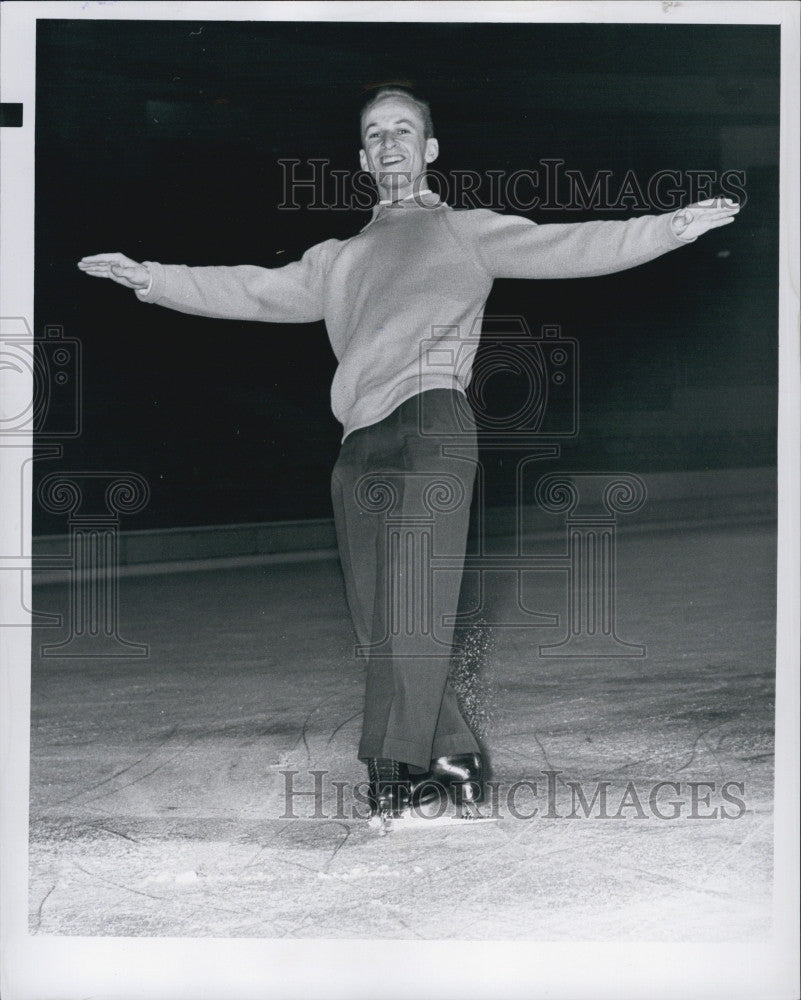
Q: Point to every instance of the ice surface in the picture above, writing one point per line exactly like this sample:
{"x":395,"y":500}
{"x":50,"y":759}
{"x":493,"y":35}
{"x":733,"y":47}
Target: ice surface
{"x":157,"y":795}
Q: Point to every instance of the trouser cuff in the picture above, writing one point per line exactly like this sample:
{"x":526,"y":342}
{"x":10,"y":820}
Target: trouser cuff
{"x":449,"y":746}
{"x":418,"y":755}
{"x":404,"y":750}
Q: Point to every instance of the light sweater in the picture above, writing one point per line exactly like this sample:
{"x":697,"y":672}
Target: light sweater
{"x":419,"y":272}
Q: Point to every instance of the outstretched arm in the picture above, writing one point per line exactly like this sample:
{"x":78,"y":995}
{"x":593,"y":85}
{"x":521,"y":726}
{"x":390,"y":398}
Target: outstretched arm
{"x":511,"y":246}
{"x":290,"y":294}
{"x":693,"y":221}
{"x":118,"y":267}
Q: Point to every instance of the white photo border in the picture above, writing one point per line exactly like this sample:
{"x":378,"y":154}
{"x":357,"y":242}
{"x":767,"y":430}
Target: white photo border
{"x":41,"y":967}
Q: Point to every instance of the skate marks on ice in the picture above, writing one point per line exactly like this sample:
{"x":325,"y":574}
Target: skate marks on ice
{"x":156,"y":792}
{"x":222,"y":878}
{"x":338,"y":878}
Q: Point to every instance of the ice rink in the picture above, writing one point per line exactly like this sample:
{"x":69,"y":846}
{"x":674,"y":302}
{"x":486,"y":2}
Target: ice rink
{"x":158,"y":804}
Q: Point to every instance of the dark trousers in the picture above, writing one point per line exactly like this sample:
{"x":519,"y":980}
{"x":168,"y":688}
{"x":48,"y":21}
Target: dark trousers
{"x":402,"y":511}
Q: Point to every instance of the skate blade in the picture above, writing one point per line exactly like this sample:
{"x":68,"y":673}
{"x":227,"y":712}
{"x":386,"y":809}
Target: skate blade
{"x":416,"y":820}
{"x":382,"y":824}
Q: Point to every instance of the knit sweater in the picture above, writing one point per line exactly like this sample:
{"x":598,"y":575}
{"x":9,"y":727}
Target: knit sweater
{"x":417,"y":273}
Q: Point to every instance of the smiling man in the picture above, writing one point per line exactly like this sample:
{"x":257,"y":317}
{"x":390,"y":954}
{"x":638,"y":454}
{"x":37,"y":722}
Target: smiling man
{"x":416,"y":271}
{"x":397,"y":144}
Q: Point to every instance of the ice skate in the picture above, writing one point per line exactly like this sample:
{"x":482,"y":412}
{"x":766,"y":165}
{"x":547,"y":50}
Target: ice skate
{"x":458,"y":777}
{"x":389,"y":792}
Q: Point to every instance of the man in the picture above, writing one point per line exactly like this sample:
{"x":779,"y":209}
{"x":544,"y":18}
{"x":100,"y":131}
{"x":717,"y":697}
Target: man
{"x":416,"y":268}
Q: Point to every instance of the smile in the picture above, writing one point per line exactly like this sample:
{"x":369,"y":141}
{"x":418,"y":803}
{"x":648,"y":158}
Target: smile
{"x":390,"y":161}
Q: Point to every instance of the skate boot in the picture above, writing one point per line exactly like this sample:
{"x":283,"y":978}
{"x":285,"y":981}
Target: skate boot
{"x":459,"y":777}
{"x":389,"y":791}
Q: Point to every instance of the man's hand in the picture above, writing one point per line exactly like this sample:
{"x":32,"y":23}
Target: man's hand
{"x":118,"y":267}
{"x":695,"y":220}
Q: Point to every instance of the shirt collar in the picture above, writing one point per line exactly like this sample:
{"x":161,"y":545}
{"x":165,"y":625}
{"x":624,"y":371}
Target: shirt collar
{"x":414,"y":194}
{"x":430,"y":200}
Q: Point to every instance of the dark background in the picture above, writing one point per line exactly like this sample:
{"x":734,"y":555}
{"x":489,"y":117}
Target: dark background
{"x":162,"y":140}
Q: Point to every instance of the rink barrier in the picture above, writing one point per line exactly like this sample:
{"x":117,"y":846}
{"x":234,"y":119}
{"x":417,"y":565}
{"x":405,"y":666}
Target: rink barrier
{"x":674,"y":501}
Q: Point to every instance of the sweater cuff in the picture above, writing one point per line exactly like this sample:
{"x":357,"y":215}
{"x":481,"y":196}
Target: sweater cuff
{"x":155,"y":288}
{"x":678,"y":240}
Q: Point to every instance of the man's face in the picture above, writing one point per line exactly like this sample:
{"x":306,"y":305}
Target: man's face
{"x":395,"y":150}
